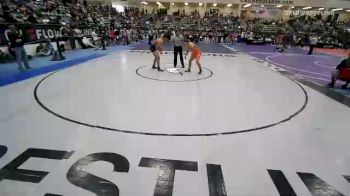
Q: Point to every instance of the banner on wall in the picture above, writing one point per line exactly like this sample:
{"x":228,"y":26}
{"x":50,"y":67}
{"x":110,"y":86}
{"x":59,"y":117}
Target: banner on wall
{"x":308,"y":12}
{"x":268,"y":12}
{"x":32,"y":33}
{"x":271,"y":2}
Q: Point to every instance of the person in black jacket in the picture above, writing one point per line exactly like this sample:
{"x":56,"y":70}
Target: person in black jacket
{"x":31,"y":18}
{"x":17,"y":43}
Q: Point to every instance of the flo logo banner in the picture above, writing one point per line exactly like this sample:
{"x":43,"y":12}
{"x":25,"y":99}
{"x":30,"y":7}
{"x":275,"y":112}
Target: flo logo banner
{"x":79,"y":176}
{"x":34,"y":33}
{"x":30,"y":32}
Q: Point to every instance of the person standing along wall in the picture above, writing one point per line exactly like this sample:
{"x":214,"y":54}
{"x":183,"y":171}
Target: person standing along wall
{"x":313,"y":43}
{"x":128,"y":36}
{"x":17,"y":43}
{"x":112,"y":36}
{"x":150,"y":37}
{"x":71,"y":39}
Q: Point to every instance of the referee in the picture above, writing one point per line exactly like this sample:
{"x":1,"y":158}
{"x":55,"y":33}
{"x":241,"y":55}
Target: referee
{"x":178,"y":39}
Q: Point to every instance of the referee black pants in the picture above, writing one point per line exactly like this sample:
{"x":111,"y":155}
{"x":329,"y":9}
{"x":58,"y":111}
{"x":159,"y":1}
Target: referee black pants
{"x":178,"y":49}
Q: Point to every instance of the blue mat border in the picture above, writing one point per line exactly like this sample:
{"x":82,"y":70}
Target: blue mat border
{"x":20,"y":76}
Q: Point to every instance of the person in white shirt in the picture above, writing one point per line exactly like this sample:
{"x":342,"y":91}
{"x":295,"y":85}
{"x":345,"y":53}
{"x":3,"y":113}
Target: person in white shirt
{"x":128,"y":36}
{"x":313,"y":42}
{"x":94,"y":35}
{"x":88,"y":43}
{"x":96,"y":40}
{"x":178,"y":39}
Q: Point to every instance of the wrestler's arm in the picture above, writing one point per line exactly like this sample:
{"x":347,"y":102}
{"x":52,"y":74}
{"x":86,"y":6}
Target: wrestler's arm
{"x":187,"y":51}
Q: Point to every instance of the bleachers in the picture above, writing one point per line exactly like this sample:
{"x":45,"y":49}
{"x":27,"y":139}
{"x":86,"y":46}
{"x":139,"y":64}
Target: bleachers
{"x":97,"y":15}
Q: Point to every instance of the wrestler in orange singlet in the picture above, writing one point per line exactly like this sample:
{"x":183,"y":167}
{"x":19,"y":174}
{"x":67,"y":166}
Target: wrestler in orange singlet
{"x":196,"y":54}
{"x":157,"y":49}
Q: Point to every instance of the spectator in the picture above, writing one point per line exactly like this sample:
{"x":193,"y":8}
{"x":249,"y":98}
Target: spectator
{"x":124,"y":37}
{"x":64,"y":30}
{"x":335,"y":74}
{"x":30,"y":18}
{"x":42,"y":50}
{"x":79,"y":36}
{"x":128,"y":36}
{"x":71,"y":38}
{"x":11,"y":51}
{"x":112,"y":36}
{"x":150,"y":37}
{"x":88,"y":43}
{"x":8,"y":16}
{"x":105,"y":38}
{"x":85,"y":4}
{"x":90,"y":19}
{"x":313,"y":43}
{"x":4,"y":57}
{"x":117,"y":35}
{"x":96,"y":39}
{"x":17,"y":43}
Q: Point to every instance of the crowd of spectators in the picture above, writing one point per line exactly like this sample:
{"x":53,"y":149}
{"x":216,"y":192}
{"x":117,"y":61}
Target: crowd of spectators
{"x":53,"y":12}
{"x":329,"y":29}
